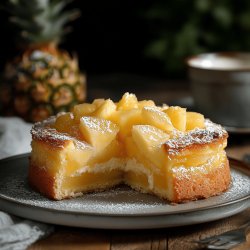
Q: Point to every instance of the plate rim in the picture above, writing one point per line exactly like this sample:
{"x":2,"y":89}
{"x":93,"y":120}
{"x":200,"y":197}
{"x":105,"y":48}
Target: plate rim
{"x":125,"y":223}
{"x":236,"y":164}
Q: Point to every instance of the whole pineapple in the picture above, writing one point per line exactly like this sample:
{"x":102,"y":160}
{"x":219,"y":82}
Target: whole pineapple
{"x":43,"y":80}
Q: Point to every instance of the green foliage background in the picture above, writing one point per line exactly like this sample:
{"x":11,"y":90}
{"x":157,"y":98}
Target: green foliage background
{"x":180,"y":28}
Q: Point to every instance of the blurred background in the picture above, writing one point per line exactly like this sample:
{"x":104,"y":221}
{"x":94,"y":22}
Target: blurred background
{"x":130,"y":45}
{"x":148,"y":37}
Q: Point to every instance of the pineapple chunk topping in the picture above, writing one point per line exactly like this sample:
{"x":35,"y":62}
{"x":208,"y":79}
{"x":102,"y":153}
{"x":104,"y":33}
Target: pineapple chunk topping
{"x":149,"y":140}
{"x":154,"y":116}
{"x":195,"y":120}
{"x":98,"y":131}
{"x":146,"y":103}
{"x":98,"y":102}
{"x":148,"y":137}
{"x":83,"y":109}
{"x":177,"y":116}
{"x":64,"y":122}
{"x":128,"y":118}
{"x":77,"y":157}
{"x":128,"y":101}
{"x":128,"y":126}
{"x":105,"y":109}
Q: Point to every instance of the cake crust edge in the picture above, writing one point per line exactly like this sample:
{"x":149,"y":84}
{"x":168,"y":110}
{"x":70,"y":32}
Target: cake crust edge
{"x":214,"y":182}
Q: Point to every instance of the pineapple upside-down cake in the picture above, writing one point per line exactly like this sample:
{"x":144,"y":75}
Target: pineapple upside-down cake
{"x":166,"y":151}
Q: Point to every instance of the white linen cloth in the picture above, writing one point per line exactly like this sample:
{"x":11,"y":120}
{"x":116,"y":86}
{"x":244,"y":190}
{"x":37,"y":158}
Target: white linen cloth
{"x":17,"y":233}
{"x":15,"y":136}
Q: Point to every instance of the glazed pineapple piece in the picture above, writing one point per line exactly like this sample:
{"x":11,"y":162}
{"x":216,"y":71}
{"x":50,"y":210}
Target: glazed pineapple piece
{"x":149,"y":140}
{"x":84,"y":109}
{"x":105,"y":109}
{"x":178,"y":117}
{"x":194,"y":120}
{"x":98,"y":132}
{"x":127,"y":102}
{"x":174,"y":154}
{"x":154,"y":116}
{"x":64,"y":123}
{"x":126,"y":119}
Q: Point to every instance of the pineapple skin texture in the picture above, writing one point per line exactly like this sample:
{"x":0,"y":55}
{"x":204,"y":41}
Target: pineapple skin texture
{"x":41,"y":83}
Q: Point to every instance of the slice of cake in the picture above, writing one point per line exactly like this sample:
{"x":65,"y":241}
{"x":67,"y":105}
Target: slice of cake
{"x":167,"y":151}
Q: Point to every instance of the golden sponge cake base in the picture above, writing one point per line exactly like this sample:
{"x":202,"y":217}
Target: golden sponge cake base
{"x":183,"y":184}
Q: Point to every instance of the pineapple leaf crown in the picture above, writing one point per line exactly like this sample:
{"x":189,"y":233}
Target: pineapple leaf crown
{"x":40,"y":21}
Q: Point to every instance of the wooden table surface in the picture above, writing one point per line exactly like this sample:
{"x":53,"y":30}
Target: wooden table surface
{"x":158,"y":239}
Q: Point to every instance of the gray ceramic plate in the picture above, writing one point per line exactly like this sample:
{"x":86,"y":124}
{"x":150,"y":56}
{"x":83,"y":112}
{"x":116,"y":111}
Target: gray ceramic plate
{"x":119,"y":208}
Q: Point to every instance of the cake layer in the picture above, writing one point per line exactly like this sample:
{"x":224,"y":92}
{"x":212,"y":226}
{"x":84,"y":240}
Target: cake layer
{"x":178,"y":184}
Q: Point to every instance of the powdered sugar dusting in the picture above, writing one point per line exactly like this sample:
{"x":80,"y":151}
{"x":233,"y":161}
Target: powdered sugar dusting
{"x":43,"y":131}
{"x":181,"y":140}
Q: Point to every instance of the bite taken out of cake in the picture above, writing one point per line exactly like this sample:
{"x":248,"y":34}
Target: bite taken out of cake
{"x":166,"y":151}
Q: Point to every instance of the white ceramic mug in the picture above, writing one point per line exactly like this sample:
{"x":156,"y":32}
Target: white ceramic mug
{"x":220,"y":84}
